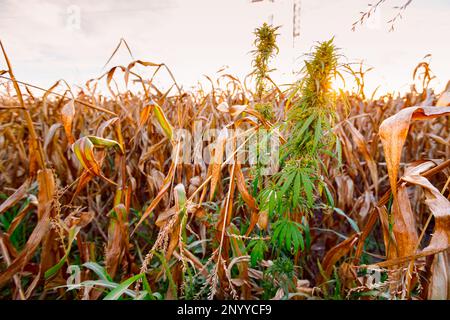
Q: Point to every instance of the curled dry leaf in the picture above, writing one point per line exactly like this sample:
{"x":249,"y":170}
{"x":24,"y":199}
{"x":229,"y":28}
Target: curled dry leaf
{"x":51,"y":134}
{"x":345,"y":189}
{"x":79,"y":219}
{"x":67,"y":114}
{"x":263,"y":219}
{"x":162,"y":119}
{"x":234,"y":110}
{"x":394,"y":130}
{"x":337,"y":252}
{"x":440,"y":208}
{"x":444,"y":99}
{"x":393,"y":133}
{"x":84,"y":151}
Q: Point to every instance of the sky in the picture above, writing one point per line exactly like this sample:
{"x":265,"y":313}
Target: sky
{"x":72,"y":40}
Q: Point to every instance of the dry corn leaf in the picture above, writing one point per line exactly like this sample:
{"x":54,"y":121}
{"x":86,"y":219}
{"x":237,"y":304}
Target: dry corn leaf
{"x":440,"y":208}
{"x":394,"y":130}
{"x":404,"y":228}
{"x":162,"y":119}
{"x":234,"y":110}
{"x":117,"y":238}
{"x":18,"y":195}
{"x":84,"y":151}
{"x":50,"y":135}
{"x":217,"y":160}
{"x":361,"y":144}
{"x":337,"y":252}
{"x":45,"y":205}
{"x":389,"y":241}
{"x":439,"y":287}
{"x":67,"y":115}
{"x":166,"y":184}
{"x":444,"y":99}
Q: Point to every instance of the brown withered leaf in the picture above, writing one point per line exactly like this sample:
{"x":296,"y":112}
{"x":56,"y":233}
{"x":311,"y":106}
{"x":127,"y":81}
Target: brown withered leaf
{"x":388,"y":238}
{"x":234,"y":110}
{"x":444,"y":99}
{"x":45,"y":206}
{"x":18,"y":195}
{"x":361,"y":144}
{"x":263,"y":219}
{"x":50,"y":246}
{"x":51,"y":133}
{"x":27,"y":252}
{"x":404,"y":228}
{"x":217,"y":161}
{"x":79,"y":219}
{"x":117,"y":238}
{"x":440,"y":208}
{"x":164,"y":216}
{"x":394,"y":130}
{"x":249,"y":201}
{"x":337,"y":252}
{"x":345,"y":189}
{"x":166,"y":184}
{"x":67,"y":115}
{"x":242,"y":187}
{"x":439,"y":287}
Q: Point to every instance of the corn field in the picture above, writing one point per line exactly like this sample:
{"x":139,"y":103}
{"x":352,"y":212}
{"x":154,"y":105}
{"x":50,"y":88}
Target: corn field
{"x":153,"y":194}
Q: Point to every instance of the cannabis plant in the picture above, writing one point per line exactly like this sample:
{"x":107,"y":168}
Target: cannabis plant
{"x":265,"y":50}
{"x":290,"y":196}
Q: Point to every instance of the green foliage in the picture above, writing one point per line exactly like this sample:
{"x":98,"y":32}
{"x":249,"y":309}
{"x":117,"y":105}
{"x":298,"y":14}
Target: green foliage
{"x":287,"y":235}
{"x":313,"y":113}
{"x":294,"y":190}
{"x":279,"y":275}
{"x":265,"y":109}
{"x":258,"y":248}
{"x":116,"y":291}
